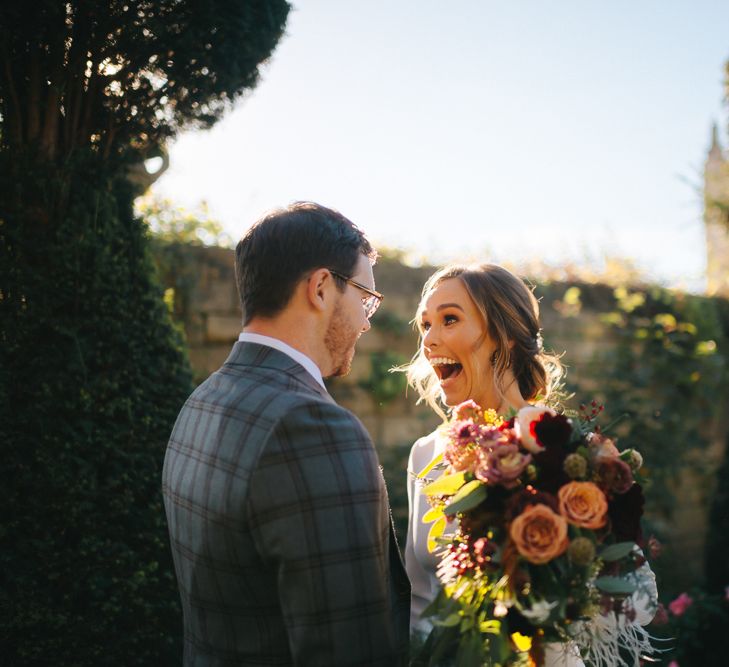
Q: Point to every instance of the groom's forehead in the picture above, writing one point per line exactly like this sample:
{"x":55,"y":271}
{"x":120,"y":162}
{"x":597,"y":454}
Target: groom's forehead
{"x":363,"y":270}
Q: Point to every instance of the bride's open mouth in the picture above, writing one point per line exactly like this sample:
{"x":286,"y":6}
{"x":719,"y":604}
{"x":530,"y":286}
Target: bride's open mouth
{"x":446,"y":368}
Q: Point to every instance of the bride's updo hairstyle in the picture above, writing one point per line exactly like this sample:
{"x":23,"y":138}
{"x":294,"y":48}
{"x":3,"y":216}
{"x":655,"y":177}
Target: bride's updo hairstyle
{"x":511,"y":312}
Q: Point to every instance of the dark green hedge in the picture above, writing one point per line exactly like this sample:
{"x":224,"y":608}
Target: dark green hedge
{"x":92,"y":375}
{"x":717,"y":541}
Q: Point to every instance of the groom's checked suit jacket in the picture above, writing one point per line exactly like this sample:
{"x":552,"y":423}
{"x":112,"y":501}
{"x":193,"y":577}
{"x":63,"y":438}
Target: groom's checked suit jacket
{"x":279,"y":524}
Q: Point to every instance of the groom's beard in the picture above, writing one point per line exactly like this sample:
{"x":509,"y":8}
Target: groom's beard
{"x":339,"y":340}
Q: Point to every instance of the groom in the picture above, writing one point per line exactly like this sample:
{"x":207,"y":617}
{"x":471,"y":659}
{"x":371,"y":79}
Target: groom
{"x":277,"y":509}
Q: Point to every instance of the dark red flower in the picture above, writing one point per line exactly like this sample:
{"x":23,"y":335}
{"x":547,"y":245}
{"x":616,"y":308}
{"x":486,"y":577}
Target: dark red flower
{"x":661,"y":617}
{"x":529,"y":496}
{"x":507,"y":425}
{"x":654,"y":547}
{"x":615,"y":475}
{"x":550,"y":469}
{"x":625,"y":511}
{"x":553,"y":430}
{"x":518,"y":623}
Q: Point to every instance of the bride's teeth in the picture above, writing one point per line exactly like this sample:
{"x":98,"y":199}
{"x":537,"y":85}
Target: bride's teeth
{"x":439,"y":361}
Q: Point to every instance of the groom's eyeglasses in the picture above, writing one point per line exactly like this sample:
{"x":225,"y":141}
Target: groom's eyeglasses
{"x":371,"y":302}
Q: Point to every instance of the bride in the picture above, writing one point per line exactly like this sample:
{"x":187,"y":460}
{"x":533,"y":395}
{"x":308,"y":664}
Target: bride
{"x":480,"y":340}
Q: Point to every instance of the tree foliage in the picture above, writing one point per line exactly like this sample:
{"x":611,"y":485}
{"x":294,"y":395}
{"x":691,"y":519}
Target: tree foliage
{"x":170,"y":223}
{"x":92,"y":372}
{"x":124,"y":75}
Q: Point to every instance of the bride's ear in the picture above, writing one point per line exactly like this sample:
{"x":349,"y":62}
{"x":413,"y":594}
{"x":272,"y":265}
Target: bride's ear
{"x":319,"y":289}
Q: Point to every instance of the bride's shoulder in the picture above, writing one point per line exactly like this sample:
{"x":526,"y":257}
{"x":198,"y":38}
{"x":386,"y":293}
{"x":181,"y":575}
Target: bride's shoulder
{"x":424,"y":448}
{"x":426,"y":441}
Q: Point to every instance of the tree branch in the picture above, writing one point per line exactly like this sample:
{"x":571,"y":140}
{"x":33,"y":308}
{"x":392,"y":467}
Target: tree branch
{"x":15,"y":133}
{"x":34,"y":96}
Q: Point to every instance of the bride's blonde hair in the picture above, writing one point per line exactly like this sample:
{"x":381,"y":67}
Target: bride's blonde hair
{"x":510,"y":315}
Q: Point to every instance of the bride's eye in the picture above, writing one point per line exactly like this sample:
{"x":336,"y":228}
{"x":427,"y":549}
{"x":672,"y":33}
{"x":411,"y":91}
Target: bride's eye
{"x":424,"y":326}
{"x":449,"y":319}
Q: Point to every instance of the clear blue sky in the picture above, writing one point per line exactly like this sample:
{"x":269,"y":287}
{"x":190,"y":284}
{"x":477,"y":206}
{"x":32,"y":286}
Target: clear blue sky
{"x":475,"y":129}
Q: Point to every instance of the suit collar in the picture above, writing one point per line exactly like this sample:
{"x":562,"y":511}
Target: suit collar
{"x":263,"y":356}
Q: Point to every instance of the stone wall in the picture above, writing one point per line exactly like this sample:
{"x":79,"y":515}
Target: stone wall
{"x":211,"y":316}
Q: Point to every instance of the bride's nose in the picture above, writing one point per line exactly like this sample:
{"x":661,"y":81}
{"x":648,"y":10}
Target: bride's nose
{"x":429,"y":338}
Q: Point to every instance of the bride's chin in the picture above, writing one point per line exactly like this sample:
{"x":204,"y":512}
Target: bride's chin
{"x":452,"y":400}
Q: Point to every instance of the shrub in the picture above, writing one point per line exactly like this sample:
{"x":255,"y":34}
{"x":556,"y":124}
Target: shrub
{"x":92,"y":377}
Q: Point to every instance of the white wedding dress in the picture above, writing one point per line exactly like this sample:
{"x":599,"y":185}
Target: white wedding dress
{"x":421,"y":564}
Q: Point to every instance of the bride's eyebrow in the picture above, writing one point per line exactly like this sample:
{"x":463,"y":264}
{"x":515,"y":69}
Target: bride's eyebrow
{"x":443,"y":306}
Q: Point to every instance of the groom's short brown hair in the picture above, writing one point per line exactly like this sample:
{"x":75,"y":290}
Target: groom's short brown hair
{"x":280,"y":248}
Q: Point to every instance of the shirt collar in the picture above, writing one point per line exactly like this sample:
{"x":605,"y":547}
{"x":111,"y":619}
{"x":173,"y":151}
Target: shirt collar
{"x":279,"y":345}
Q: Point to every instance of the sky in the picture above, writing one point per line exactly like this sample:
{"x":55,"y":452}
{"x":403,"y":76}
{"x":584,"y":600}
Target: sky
{"x":477,"y":130}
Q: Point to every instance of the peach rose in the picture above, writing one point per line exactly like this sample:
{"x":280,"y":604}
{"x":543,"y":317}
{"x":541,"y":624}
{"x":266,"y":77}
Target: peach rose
{"x":583,"y":504}
{"x":539,"y":534}
{"x":602,"y":447}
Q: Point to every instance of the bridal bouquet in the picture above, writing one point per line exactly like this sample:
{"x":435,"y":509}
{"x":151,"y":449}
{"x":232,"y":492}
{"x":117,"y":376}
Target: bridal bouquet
{"x":544,"y":549}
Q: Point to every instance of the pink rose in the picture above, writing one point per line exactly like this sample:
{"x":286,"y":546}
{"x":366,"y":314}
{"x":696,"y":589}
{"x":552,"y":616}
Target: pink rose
{"x":468,"y":410}
{"x":673,"y":663}
{"x":526,"y":420}
{"x":679,"y":606}
{"x":502,"y":465}
{"x":461,"y":452}
{"x":726,"y":593}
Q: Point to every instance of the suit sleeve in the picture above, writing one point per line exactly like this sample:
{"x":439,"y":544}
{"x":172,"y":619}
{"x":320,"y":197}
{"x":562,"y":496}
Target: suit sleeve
{"x":318,"y":512}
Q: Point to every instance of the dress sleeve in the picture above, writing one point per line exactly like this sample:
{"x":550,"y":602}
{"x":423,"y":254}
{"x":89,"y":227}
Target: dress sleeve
{"x":558,"y":654}
{"x":318,"y":511}
{"x":420,"y":579}
{"x":623,"y":633}
{"x":645,"y":599}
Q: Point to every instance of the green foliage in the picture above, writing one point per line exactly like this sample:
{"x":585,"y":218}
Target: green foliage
{"x":122,"y":77}
{"x":92,"y":376}
{"x":173,"y":230}
{"x":170,"y":223}
{"x":392,"y":324}
{"x":697,"y":637}
{"x":666,"y":371}
{"x":717,"y":539}
{"x":385,"y":385}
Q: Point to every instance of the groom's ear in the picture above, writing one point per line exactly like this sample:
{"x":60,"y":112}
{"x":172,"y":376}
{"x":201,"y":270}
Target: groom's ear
{"x":320,"y":288}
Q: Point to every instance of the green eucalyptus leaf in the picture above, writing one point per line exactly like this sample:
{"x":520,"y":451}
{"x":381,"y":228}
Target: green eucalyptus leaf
{"x":617,"y":551}
{"x":469,"y":650}
{"x":450,"y":621}
{"x":615,"y":585}
{"x":470,"y":495}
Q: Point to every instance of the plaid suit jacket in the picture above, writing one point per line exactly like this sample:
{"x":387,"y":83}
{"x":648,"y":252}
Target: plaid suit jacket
{"x":279,"y":524}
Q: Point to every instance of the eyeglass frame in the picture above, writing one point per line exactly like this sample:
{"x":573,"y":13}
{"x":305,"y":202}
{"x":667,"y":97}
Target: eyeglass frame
{"x":369,"y":310}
